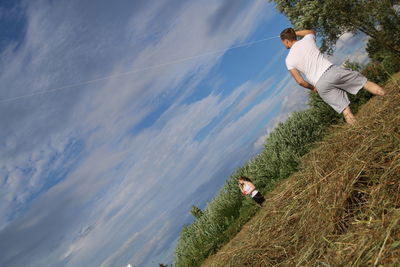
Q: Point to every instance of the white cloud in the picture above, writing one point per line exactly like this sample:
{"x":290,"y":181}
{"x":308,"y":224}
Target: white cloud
{"x":351,"y":47}
{"x":113,"y":179}
{"x":118,"y":191}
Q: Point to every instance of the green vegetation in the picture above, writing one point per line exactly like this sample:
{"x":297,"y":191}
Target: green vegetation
{"x":342,"y":208}
{"x":196,"y":212}
{"x":285,"y":146}
{"x":229,"y":210}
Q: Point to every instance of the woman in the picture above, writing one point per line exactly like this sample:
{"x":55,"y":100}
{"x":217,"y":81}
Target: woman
{"x":248,"y":188}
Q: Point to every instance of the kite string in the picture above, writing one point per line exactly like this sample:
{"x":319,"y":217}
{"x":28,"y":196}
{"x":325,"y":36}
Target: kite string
{"x":136,"y":70}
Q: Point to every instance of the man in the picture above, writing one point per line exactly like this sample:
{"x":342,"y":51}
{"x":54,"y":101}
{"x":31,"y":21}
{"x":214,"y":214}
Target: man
{"x":329,"y":81}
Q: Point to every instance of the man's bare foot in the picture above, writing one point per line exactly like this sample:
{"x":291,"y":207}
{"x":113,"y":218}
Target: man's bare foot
{"x":349,"y":117}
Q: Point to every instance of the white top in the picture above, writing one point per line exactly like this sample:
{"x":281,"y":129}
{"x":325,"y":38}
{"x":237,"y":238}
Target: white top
{"x":246,"y":189}
{"x":305,"y":56}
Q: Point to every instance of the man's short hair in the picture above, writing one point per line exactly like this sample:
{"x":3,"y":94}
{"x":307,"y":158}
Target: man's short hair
{"x":288,"y":34}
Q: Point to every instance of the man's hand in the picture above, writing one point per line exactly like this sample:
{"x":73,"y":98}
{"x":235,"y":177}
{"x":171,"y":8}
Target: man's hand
{"x":314,"y":90}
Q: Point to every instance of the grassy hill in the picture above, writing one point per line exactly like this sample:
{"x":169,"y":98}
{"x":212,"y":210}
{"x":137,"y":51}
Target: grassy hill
{"x":342,"y":208}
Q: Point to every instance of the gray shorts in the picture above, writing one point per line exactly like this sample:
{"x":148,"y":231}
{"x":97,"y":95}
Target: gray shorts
{"x":335,"y":82}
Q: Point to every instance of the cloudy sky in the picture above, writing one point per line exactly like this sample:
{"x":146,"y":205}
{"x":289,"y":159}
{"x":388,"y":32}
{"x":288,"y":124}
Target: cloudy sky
{"x":117,"y":116}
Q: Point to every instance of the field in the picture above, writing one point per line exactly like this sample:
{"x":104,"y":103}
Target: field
{"x":341,"y":208}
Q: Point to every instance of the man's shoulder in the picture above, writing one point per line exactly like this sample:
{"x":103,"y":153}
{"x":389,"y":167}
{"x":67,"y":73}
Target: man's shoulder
{"x":292,"y":54}
{"x":288,"y":57}
{"x":306,"y":40}
{"x":290,"y":60}
{"x":303,"y":46}
{"x":309,"y":36}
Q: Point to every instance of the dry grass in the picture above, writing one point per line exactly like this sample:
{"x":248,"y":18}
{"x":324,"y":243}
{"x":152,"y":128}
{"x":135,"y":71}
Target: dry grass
{"x":341,"y":209}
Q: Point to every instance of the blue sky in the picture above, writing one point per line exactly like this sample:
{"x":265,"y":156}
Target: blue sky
{"x":108,"y":137}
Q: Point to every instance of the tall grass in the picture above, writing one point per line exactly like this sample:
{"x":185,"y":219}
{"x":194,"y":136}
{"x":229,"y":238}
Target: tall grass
{"x":342,"y":208}
{"x":229,"y":211}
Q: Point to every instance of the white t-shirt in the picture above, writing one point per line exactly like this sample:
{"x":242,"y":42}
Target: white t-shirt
{"x":305,"y":56}
{"x":247,"y":189}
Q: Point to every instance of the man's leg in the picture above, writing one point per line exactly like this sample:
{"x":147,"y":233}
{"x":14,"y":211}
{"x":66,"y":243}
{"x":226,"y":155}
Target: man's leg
{"x":373,"y":88}
{"x":348,"y":116}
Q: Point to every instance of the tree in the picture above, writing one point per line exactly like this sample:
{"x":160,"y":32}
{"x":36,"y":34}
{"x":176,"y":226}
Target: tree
{"x":331,"y":18}
{"x":196,"y":212}
{"x":390,"y":62}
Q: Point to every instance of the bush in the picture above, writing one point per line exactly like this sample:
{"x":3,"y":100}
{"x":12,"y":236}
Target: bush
{"x":229,"y":211}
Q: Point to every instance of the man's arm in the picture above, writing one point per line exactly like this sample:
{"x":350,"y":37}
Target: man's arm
{"x":299,"y":79}
{"x":305,"y":32}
